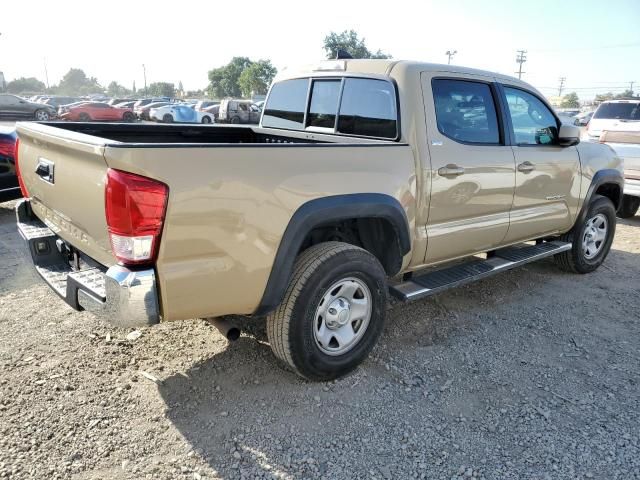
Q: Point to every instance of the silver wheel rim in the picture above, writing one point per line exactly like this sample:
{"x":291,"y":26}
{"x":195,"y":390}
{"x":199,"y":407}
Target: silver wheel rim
{"x":342,"y":317}
{"x":40,"y":115}
{"x":595,"y":235}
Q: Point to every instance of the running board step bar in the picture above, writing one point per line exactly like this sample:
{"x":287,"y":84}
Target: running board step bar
{"x":504,"y":259}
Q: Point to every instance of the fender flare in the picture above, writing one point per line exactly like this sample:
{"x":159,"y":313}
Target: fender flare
{"x":601,"y":177}
{"x":320,"y":211}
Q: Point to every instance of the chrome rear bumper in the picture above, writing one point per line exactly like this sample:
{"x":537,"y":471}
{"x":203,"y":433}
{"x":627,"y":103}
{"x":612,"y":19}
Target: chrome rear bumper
{"x":121,"y":296}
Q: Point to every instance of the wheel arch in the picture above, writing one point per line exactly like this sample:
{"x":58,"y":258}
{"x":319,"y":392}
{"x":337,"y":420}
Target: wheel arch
{"x":608,"y":183}
{"x":371,"y":213}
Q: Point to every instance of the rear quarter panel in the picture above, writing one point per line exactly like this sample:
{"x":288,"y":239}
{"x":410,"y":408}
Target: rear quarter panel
{"x":230,"y":205}
{"x":593,"y":158}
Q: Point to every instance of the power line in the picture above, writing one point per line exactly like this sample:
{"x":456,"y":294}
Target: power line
{"x":520,"y":59}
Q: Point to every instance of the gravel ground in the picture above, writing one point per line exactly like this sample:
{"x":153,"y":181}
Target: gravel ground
{"x":530,"y":375}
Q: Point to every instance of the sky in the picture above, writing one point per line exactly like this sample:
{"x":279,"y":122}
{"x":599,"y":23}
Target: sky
{"x":595,"y":44}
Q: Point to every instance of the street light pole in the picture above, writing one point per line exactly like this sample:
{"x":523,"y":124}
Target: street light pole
{"x":450,"y":53}
{"x":144,"y":71}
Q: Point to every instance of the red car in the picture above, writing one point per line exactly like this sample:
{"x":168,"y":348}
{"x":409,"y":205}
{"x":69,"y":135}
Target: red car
{"x":86,"y":112}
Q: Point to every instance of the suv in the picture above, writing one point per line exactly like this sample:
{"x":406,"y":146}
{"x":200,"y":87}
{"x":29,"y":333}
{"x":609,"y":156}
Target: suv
{"x":238,"y":111}
{"x":615,"y":115}
{"x":12,"y":106}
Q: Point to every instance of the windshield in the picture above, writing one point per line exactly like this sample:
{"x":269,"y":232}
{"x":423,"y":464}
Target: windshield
{"x":618,"y":111}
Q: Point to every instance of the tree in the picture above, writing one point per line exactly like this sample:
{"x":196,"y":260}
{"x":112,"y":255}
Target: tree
{"x":626,"y":94}
{"x":223,"y":81}
{"x":114,"y":89}
{"x":23,"y":84}
{"x":162,"y":89}
{"x":256,"y":78}
{"x":603,"y":97}
{"x":349,"y":42}
{"x":570,"y":100}
{"x":76,"y":82}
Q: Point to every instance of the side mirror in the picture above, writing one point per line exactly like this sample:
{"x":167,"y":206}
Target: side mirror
{"x":569,"y":135}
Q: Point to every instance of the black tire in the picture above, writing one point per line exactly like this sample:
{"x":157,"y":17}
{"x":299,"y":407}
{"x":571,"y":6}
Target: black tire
{"x":629,"y":207}
{"x":576,"y":260}
{"x":206,"y":119}
{"x":128,"y":117}
{"x":167,"y":118}
{"x":235,"y":120}
{"x":84,"y":117}
{"x":290,"y":328}
{"x":41,"y":115}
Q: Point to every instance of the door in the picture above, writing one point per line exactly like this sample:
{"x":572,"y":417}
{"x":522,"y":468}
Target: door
{"x":547,"y":174}
{"x":472,"y":168}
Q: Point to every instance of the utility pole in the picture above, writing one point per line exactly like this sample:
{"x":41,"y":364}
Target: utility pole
{"x":450,"y":53}
{"x":144,"y":71}
{"x":631,"y":87}
{"x":520,"y":59}
{"x":562,"y":80}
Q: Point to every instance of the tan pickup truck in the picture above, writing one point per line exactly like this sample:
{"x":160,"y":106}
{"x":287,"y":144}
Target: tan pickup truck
{"x":364,"y":178}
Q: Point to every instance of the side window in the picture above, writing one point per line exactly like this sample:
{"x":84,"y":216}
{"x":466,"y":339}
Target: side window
{"x":324,"y":103}
{"x":466,"y":111}
{"x":368,"y":108}
{"x":286,"y":105}
{"x":242,"y":107}
{"x":533,"y":123}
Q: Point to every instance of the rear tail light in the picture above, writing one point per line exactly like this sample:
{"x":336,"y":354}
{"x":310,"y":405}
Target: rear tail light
{"x":23,"y":188}
{"x":135,"y":209}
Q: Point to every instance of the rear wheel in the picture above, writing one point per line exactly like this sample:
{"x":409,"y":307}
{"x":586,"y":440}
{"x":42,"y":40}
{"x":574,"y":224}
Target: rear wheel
{"x":235,"y":120}
{"x":84,"y":117}
{"x":206,"y":119}
{"x":591,"y":240}
{"x":332,"y":313}
{"x":629,"y":207}
{"x":41,"y":115}
{"x":167,"y":118}
{"x":128,"y":117}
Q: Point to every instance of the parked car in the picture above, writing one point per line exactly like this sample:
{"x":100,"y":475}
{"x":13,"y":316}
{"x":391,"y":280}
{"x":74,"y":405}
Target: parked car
{"x":175,"y":112}
{"x":337,"y":200}
{"x":202,"y":104}
{"x":238,"y":111}
{"x":615,"y":115}
{"x":64,"y":108}
{"x":9,"y":187}
{"x":627,"y":146}
{"x":126,"y":104}
{"x":142,"y":112}
{"x":213,"y":110}
{"x":57,"y":102}
{"x":12,"y":106}
{"x":116,"y":101}
{"x":583,"y":118}
{"x":97,"y":111}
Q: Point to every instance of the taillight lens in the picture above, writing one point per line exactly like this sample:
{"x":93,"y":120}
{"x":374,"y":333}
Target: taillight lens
{"x":23,"y":187}
{"x":135,"y":208}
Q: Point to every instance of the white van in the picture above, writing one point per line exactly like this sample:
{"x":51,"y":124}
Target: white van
{"x":615,"y":116}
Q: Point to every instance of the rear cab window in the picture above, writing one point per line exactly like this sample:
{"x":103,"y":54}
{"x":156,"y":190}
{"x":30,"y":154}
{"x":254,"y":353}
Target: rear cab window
{"x":362,"y":107}
{"x":618,"y":111}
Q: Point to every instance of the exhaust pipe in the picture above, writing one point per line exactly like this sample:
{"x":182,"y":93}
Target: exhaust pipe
{"x":227,"y":328}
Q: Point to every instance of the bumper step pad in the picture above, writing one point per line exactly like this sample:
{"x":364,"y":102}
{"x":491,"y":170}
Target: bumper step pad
{"x":421,"y":286}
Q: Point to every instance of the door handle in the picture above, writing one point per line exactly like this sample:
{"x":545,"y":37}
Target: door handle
{"x":45,"y":170}
{"x":450,"y":170}
{"x":526,"y":167}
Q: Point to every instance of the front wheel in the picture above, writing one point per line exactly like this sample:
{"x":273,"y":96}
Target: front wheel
{"x":235,"y":120}
{"x":629,"y":207}
{"x":591,"y":240}
{"x":41,"y":115}
{"x":128,"y":117}
{"x":332,"y":313}
{"x":167,"y":118}
{"x":206,"y":119}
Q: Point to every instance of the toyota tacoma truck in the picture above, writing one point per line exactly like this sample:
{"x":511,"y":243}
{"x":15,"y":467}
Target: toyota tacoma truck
{"x":364,"y":179}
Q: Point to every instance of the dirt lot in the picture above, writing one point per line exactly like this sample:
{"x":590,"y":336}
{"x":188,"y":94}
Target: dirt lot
{"x":533,"y":374}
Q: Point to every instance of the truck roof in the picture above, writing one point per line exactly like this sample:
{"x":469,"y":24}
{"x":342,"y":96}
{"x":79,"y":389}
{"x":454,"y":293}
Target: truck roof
{"x":384,"y":67}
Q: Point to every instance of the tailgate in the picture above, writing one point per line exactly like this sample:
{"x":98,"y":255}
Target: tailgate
{"x":64,"y":173}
